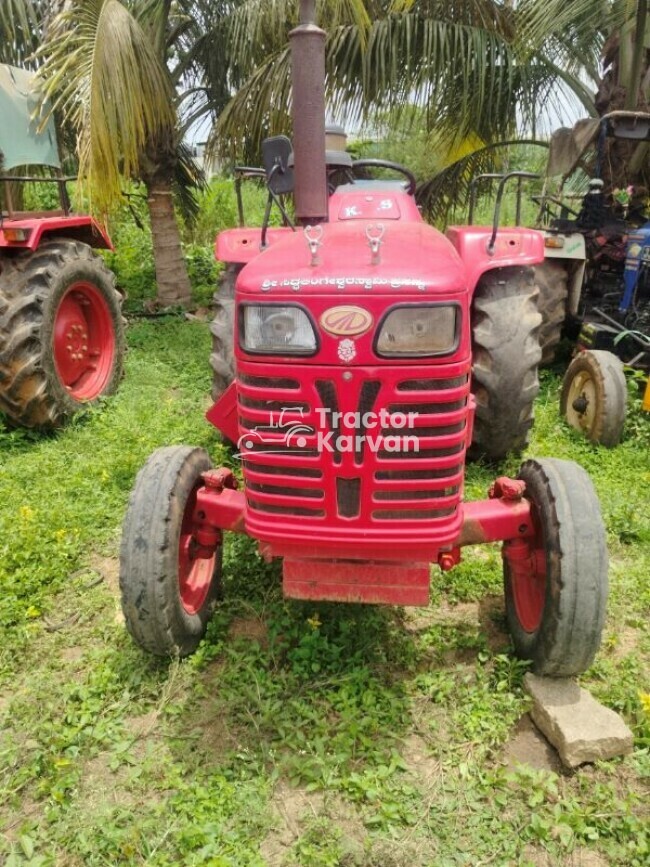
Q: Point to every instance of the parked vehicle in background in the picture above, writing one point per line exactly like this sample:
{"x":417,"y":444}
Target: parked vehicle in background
{"x":61,"y":328}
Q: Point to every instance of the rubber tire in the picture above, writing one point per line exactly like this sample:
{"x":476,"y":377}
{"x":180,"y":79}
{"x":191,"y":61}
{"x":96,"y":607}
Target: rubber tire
{"x":506,"y":356}
{"x":31,"y":287}
{"x":569,"y":634}
{"x":151,"y":602}
{"x":222,"y":358}
{"x":606,"y":372}
{"x":552,"y":280}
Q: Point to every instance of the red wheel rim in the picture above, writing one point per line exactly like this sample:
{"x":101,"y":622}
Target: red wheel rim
{"x":529,"y":586}
{"x":84,"y":341}
{"x":195,"y":573}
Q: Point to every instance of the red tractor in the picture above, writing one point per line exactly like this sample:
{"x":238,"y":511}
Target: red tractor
{"x":368,"y":349}
{"x":61,"y":332}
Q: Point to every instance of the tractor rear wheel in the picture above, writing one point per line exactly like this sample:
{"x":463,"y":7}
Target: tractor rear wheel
{"x":556,"y":596}
{"x":594,"y":396}
{"x":222,"y":358}
{"x":169,"y":584}
{"x":505,"y":333}
{"x":61,"y":333}
{"x":552,"y":280}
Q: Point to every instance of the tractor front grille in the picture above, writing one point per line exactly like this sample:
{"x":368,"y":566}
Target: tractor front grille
{"x":305,"y":457}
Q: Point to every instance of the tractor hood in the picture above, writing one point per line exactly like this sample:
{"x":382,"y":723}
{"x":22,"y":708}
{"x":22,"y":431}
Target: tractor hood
{"x":410,"y":256}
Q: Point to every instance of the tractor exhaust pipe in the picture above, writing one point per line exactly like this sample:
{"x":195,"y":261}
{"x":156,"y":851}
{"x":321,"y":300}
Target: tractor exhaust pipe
{"x":308,"y":110}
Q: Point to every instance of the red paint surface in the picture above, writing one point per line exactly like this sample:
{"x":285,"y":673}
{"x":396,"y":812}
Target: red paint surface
{"x":75,"y":226}
{"x":243,"y":245}
{"x":387,"y":583}
{"x":223,"y":413}
{"x":410,"y":251}
{"x":515,"y":246}
{"x":196,"y":564}
{"x":84,"y":341}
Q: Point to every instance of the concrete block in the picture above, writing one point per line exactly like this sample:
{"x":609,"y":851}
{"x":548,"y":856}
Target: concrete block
{"x":580,"y":728}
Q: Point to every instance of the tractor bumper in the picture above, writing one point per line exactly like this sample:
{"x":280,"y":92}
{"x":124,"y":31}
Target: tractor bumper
{"x":364,"y":571}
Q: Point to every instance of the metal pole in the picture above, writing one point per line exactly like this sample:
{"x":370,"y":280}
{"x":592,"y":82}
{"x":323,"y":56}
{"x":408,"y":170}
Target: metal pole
{"x":308,"y":110}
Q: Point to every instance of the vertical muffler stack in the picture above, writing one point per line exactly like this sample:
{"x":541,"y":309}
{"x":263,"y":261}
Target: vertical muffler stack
{"x":308,"y":102}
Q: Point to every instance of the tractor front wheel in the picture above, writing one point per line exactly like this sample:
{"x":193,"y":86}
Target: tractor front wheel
{"x":556,"y":584}
{"x":169,"y":583}
{"x":61,"y":333}
{"x":594,"y":396}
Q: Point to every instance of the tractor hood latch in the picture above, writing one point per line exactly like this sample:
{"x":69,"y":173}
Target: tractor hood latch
{"x":375,"y":234}
{"x":314,"y":236}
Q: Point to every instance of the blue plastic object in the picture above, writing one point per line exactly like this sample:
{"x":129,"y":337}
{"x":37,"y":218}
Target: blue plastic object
{"x":637,"y":258}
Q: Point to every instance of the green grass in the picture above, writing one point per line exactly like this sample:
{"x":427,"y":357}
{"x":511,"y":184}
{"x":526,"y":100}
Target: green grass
{"x":301,"y":734}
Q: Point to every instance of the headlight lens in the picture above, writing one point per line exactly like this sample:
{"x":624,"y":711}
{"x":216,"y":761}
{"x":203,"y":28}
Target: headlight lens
{"x":417,"y":332}
{"x":276,"y":330}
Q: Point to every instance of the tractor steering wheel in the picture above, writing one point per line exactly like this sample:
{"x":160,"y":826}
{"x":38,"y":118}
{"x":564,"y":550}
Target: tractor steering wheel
{"x":411,"y":184}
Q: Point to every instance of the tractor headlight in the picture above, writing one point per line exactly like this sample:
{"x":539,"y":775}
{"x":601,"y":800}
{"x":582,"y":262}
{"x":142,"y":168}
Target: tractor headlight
{"x":275,"y":329}
{"x":419,"y":331}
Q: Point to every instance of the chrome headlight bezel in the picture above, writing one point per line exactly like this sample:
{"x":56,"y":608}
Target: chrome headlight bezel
{"x":279,"y":350}
{"x":454,"y":331}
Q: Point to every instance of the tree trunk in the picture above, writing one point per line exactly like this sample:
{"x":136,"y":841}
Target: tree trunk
{"x":171,"y":271}
{"x":625,"y":85}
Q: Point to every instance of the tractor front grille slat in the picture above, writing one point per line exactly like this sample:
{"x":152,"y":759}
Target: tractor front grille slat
{"x":280,"y":448}
{"x":274,"y":406}
{"x":433,"y":384}
{"x":425,"y":475}
{"x":285,"y":491}
{"x":417,"y":495}
{"x":272,"y":382}
{"x":412,"y":514}
{"x":422,"y":454}
{"x":282,"y":470}
{"x":426,"y":408}
{"x":295,"y":511}
{"x":445,"y":430}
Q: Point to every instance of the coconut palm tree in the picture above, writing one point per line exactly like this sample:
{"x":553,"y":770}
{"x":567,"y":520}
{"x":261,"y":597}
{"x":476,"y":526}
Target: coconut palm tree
{"x":114,"y":69}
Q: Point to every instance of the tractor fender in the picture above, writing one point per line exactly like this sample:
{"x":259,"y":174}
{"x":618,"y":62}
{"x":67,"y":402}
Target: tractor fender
{"x":515,"y":246}
{"x":38,"y":229}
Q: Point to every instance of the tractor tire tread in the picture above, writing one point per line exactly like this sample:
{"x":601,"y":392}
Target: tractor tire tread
{"x":552,"y":280}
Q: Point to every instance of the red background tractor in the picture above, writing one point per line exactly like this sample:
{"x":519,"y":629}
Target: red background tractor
{"x":61,"y":331}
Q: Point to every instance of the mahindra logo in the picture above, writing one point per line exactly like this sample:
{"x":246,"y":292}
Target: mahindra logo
{"x":346,"y":320}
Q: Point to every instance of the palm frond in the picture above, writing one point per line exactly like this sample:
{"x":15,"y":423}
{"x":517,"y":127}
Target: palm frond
{"x":101,"y":70}
{"x":448,"y":192}
{"x":19,"y":30}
